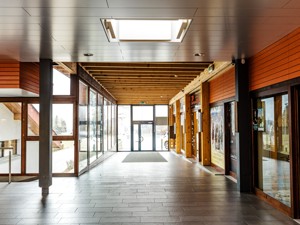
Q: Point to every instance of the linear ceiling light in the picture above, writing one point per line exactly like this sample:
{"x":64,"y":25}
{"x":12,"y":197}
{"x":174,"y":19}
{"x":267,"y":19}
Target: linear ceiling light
{"x":119,"y":30}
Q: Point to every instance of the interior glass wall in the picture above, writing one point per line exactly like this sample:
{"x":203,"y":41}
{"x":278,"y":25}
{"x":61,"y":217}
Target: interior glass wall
{"x":92,"y":125}
{"x":62,"y":119}
{"x":61,"y":83}
{"x":83,"y":128}
{"x":100,"y":126}
{"x":105,"y":124}
{"x":124,"y":127}
{"x":10,"y":136}
{"x":161,"y":127}
{"x":109,"y":126}
{"x":272,"y":130}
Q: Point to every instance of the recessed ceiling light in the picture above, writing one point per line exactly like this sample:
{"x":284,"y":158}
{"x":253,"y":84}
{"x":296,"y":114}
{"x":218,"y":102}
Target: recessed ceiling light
{"x":88,"y":54}
{"x":175,"y":75}
{"x":158,"y":30}
{"x":199,"y":54}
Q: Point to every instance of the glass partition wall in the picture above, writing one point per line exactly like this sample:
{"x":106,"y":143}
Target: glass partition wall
{"x":142,"y":127}
{"x":77,"y":128}
{"x":271,"y":127}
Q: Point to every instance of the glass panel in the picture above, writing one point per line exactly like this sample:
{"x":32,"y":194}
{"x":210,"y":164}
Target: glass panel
{"x":273,"y":147}
{"x":105,"y":128}
{"x":114,"y":128}
{"x":93,"y":121}
{"x":32,"y":157}
{"x":83,"y":101}
{"x":146,"y":137}
{"x":161,"y":129}
{"x":61,"y":83}
{"x":142,"y":113}
{"x":10,"y":136}
{"x":63,"y":156}
{"x":124,"y":131}
{"x":161,"y":135}
{"x":136,"y":139}
{"x":62,"y":119}
{"x":33,"y":111}
{"x":109,"y":130}
{"x":217,"y":136}
{"x":100,"y":126}
{"x":233,"y":153}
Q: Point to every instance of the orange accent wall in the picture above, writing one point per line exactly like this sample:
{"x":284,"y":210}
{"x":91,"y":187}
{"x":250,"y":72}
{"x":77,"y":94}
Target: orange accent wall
{"x":277,"y":63}
{"x":222,"y":87}
{"x":9,"y":75}
{"x":30,"y":77}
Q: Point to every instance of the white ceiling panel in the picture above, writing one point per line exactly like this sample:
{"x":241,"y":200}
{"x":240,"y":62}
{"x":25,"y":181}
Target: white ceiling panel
{"x":64,"y":3}
{"x":111,"y":12}
{"x":196,"y":3}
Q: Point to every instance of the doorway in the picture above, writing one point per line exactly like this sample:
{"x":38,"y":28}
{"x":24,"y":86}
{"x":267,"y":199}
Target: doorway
{"x":142,"y":136}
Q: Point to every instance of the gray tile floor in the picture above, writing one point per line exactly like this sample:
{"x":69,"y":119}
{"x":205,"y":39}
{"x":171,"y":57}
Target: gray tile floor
{"x":176,"y":192}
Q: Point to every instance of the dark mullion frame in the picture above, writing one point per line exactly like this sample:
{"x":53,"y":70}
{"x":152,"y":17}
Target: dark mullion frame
{"x":24,"y":122}
{"x":226,"y":139}
{"x":154,"y":129}
{"x":117,"y":127}
{"x":294,"y":112}
{"x":131,"y":126}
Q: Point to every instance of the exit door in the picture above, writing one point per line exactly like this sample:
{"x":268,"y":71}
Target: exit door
{"x":142,"y":136}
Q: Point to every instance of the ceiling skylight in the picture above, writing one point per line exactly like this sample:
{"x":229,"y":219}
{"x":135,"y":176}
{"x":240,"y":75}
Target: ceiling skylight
{"x":119,"y":30}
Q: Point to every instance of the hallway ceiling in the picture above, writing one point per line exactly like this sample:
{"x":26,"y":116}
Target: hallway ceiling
{"x":65,"y":30}
{"x":149,"y":83}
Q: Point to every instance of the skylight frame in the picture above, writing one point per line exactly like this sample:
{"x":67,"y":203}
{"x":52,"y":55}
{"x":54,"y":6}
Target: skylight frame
{"x":177,"y":28}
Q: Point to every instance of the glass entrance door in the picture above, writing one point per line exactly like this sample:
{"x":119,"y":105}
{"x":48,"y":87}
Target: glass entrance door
{"x":143,"y":136}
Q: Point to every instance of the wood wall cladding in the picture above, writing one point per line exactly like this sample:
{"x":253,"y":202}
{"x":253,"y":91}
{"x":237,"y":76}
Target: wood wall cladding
{"x":223,"y":86}
{"x":30,"y":77}
{"x":277,"y":63}
{"x":9,"y":75}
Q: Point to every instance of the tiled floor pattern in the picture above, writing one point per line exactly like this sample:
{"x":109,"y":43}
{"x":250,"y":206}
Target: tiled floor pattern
{"x":176,"y":192}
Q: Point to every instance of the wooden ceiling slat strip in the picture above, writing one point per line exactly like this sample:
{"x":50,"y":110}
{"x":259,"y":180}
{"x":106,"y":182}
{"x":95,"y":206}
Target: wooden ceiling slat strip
{"x":154,"y":83}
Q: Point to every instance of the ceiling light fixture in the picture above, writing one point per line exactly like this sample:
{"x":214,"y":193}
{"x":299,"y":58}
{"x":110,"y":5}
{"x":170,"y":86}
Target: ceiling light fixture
{"x":199,"y":54}
{"x":88,"y":54}
{"x":157,"y":30}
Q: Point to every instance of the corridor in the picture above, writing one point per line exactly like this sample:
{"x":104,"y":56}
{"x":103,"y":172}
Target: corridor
{"x":173,"y":191}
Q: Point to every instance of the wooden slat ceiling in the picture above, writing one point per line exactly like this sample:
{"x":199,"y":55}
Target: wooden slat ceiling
{"x":149,"y":83}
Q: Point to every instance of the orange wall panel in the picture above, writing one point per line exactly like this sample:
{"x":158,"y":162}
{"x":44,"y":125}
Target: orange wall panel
{"x":222,"y":87}
{"x":30,"y":77}
{"x":277,"y":63}
{"x":9,"y":75}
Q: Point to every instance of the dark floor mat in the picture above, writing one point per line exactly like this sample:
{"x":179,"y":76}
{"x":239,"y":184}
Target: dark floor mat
{"x":144,"y":157}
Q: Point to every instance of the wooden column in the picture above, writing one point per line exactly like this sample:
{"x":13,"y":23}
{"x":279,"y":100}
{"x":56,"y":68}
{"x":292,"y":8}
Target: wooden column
{"x":205,"y":134}
{"x":244,"y":170}
{"x":45,"y":144}
{"x":178,"y":128}
{"x":188,"y":127}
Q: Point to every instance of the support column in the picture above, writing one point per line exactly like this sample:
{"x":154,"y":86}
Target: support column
{"x":205,"y":133}
{"x":243,"y":135}
{"x":45,"y":144}
{"x":188,"y":127}
{"x":178,"y":128}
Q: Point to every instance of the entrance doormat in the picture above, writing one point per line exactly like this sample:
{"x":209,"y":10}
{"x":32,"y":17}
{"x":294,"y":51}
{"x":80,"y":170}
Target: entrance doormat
{"x":136,"y":157}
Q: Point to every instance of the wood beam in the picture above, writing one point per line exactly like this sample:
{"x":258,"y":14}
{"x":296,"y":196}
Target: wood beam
{"x":178,"y":128}
{"x":188,"y":127}
{"x":205,"y":133}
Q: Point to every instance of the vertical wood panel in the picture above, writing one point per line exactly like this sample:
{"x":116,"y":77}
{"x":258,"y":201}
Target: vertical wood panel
{"x":188,"y":127}
{"x":29,"y":77}
{"x":277,"y":63}
{"x":9,"y":75}
{"x":205,"y":134}
{"x":178,"y":126}
{"x":222,"y":87}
